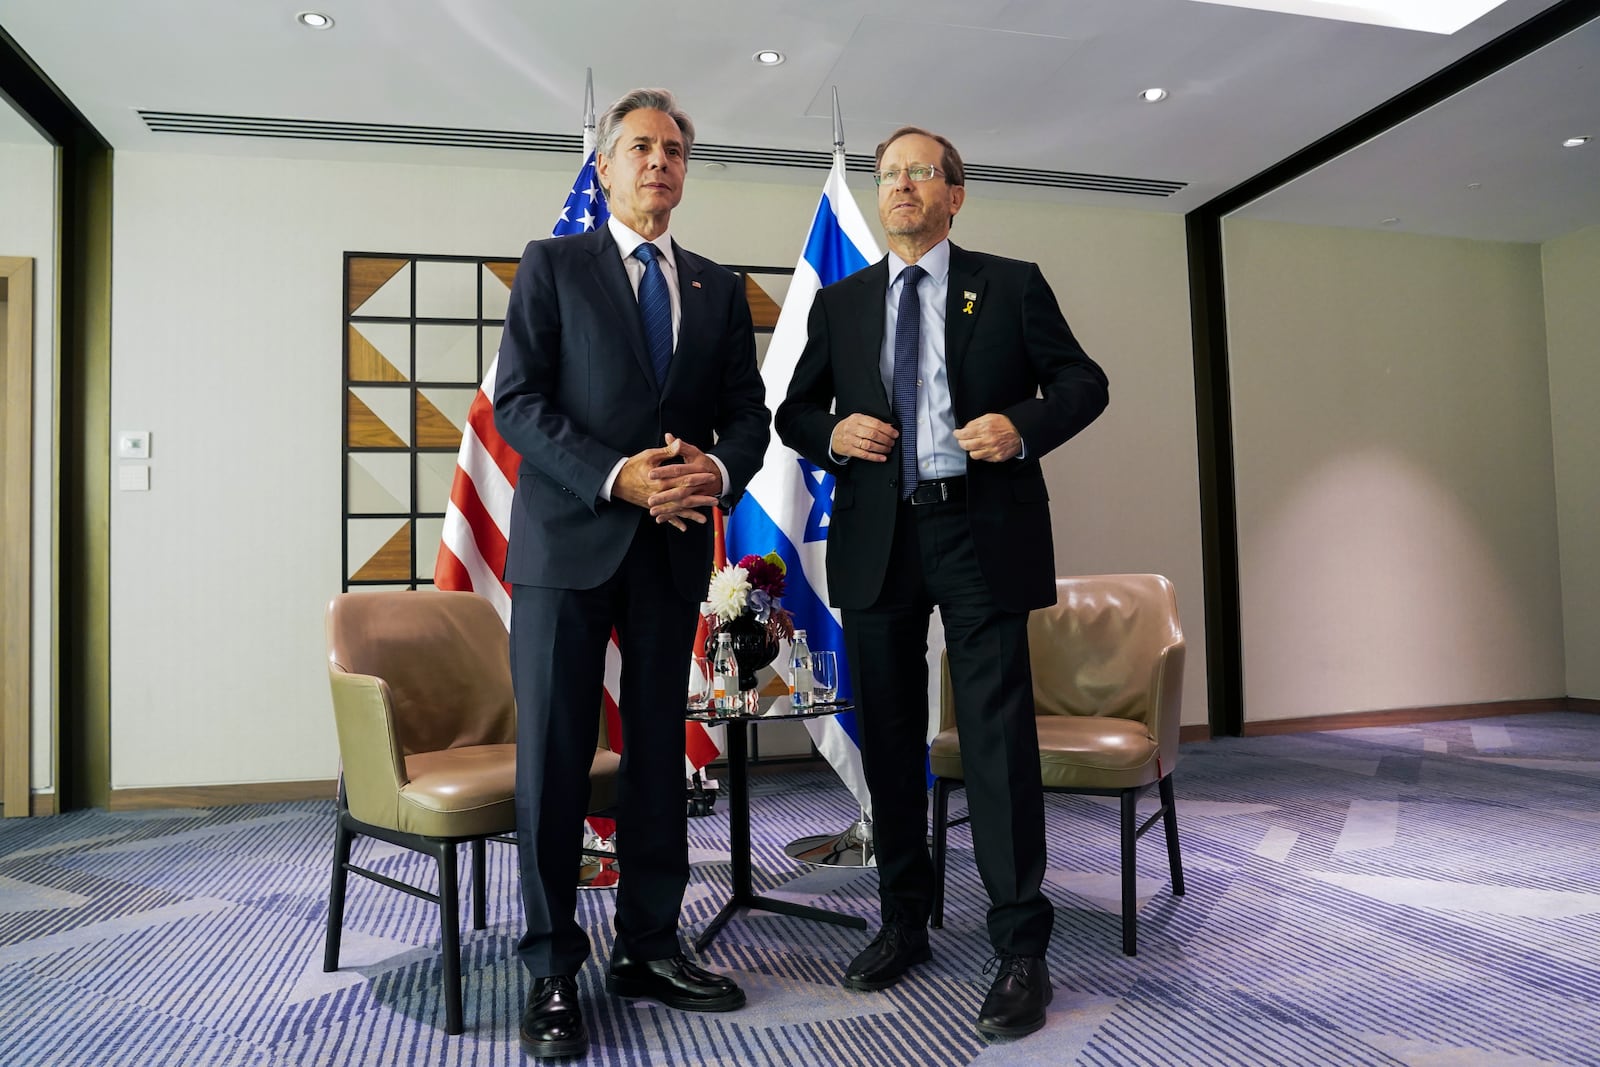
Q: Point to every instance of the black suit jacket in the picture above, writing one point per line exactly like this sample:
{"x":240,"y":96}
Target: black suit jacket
{"x":1011,"y":353}
{"x":575,"y":393}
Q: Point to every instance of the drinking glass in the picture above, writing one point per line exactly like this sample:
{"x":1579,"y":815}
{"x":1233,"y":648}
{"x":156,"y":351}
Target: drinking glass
{"x":699,"y":683}
{"x":824,"y":677}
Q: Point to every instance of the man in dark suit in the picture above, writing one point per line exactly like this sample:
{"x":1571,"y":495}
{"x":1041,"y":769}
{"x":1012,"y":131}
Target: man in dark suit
{"x":628,"y":384}
{"x":931,"y":385}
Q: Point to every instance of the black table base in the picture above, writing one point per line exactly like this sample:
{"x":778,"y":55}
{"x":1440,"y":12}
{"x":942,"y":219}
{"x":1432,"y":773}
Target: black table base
{"x":739,"y":840}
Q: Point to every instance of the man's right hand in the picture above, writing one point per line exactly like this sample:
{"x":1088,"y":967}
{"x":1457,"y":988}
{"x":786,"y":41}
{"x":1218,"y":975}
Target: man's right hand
{"x":861,"y":436}
{"x":633,"y":484}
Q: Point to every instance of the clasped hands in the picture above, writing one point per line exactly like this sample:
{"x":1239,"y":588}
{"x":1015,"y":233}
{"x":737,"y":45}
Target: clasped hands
{"x":673,"y":491}
{"x":992,"y":438}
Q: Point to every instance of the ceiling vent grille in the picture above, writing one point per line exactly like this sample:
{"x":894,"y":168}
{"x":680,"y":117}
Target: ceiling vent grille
{"x":448,"y":137}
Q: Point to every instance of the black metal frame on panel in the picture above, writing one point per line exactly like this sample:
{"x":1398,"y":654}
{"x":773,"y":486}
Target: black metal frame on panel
{"x":1209,"y":325}
{"x":414,"y":516}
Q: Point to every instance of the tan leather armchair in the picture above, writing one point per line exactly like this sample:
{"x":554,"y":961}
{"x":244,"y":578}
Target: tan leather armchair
{"x":423,"y":703}
{"x":1107,"y":662}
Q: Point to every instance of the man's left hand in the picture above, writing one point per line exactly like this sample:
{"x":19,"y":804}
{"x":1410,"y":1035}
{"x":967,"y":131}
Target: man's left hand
{"x":682,"y":490}
{"x":991,"y":438}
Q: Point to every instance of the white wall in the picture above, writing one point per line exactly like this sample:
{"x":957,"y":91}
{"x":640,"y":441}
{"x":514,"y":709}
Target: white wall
{"x":1396,"y":491}
{"x":1572,"y":321}
{"x":225,"y":345}
{"x":27,"y":228}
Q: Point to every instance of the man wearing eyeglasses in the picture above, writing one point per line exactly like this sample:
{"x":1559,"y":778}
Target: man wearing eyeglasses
{"x":931,"y":385}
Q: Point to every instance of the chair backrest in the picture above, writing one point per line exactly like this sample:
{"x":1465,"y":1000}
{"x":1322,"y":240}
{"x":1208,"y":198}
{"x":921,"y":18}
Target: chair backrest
{"x":1098,"y":648}
{"x":444,"y":657}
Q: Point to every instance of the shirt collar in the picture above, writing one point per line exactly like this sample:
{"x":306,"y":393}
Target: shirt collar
{"x":627,"y":240}
{"x":936,"y":261}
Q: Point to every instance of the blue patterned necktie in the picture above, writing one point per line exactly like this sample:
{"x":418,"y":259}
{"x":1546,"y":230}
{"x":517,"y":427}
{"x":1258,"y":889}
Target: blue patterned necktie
{"x":907,"y":347}
{"x":655,"y":310}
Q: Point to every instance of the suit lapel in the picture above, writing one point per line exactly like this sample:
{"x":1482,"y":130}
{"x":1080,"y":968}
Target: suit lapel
{"x":694,"y":317}
{"x":613,"y":279}
{"x":963,"y":305}
{"x":868,"y":322}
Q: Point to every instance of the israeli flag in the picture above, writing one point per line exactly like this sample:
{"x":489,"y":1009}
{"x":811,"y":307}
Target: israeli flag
{"x":787,"y":505}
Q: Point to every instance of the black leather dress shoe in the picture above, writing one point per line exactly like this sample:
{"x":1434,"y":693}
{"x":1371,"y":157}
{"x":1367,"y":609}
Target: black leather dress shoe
{"x":552,"y":1024}
{"x":673,"y":981}
{"x":891,"y":954}
{"x":1016,"y":1000}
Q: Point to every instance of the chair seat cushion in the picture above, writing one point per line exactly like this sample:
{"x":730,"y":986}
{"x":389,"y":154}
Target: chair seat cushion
{"x":460,"y":791}
{"x":1075,"y":752}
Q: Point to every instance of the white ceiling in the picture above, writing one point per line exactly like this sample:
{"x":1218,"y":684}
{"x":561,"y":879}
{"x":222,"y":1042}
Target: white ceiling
{"x":1040,"y":84}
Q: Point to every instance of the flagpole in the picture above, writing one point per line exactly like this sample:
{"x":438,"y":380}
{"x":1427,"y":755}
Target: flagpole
{"x":588,"y":111}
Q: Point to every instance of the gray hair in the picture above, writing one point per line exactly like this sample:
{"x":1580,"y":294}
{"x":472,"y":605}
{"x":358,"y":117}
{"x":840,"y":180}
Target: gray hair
{"x":609,"y":131}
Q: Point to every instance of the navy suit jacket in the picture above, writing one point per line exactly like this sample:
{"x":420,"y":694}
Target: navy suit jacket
{"x":1009,"y":351}
{"x":575,"y":393}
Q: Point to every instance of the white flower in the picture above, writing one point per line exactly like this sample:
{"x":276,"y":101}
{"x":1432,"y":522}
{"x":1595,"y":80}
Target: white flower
{"x":730,"y":588}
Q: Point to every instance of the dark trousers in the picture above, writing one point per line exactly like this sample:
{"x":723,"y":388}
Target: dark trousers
{"x":558,"y":650}
{"x":933,"y":563}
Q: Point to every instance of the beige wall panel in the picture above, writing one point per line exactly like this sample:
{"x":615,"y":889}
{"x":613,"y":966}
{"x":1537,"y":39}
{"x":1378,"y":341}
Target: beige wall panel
{"x":1572,"y":320}
{"x":1395,"y":482}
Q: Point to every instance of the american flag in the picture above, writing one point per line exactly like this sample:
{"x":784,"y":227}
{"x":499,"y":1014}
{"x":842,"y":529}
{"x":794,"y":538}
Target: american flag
{"x":477,"y":520}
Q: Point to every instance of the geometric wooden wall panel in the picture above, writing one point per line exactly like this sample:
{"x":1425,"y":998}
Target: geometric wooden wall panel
{"x":441,"y":417}
{"x":380,"y":483}
{"x":446,"y":352}
{"x":496,"y":292}
{"x":368,"y":363}
{"x":367,"y":276}
{"x":447,"y":290}
{"x":375,"y":556}
{"x":420,"y":333}
{"x":763,"y":309}
{"x":430,"y":531}
{"x":436,"y":473}
{"x":379,"y":418}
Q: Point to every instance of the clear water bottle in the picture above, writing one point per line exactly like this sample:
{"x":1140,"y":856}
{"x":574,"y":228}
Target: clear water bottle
{"x":800,"y":686}
{"x":724,"y":675}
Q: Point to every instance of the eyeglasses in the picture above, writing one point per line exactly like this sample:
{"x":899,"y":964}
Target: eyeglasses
{"x":917,"y":172}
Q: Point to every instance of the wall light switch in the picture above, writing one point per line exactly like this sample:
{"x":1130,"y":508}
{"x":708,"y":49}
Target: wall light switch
{"x":133,"y":444}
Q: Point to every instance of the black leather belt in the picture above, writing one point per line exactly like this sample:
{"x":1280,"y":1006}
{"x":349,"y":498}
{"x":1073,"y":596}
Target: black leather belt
{"x":939,"y":490}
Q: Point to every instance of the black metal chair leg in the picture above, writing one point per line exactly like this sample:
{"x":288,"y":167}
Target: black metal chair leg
{"x":343,"y":837}
{"x":941,"y":835}
{"x":1170,"y":820}
{"x":479,"y":885}
{"x":450,"y":935}
{"x":1130,"y":872}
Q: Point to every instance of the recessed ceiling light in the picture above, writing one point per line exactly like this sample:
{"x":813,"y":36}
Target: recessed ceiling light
{"x":1574,"y":142}
{"x":316,"y":20}
{"x":1474,"y":185}
{"x":768,"y":58}
{"x":714,"y":165}
{"x":1390,"y":221}
{"x":1153,"y":96}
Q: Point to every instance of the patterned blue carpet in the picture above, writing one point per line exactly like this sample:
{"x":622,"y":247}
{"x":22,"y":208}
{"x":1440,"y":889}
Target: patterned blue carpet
{"x":1424,"y":895}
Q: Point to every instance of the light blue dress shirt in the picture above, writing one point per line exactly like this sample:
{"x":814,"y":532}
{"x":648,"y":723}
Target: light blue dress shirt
{"x":938,"y":455}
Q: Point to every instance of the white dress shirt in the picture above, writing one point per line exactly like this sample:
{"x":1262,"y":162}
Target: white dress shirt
{"x":627,"y":241}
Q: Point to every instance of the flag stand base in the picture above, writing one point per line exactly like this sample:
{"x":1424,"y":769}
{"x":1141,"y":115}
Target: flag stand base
{"x":598,"y":866}
{"x":852,"y":848}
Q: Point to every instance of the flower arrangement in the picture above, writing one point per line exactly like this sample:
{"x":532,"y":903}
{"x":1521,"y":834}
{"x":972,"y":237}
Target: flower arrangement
{"x":751,"y":588}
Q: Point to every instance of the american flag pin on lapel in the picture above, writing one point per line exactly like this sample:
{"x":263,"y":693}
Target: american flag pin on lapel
{"x":695,"y":284}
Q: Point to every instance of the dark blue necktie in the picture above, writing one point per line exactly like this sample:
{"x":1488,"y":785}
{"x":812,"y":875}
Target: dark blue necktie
{"x":907,"y":347}
{"x":655,"y":311}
